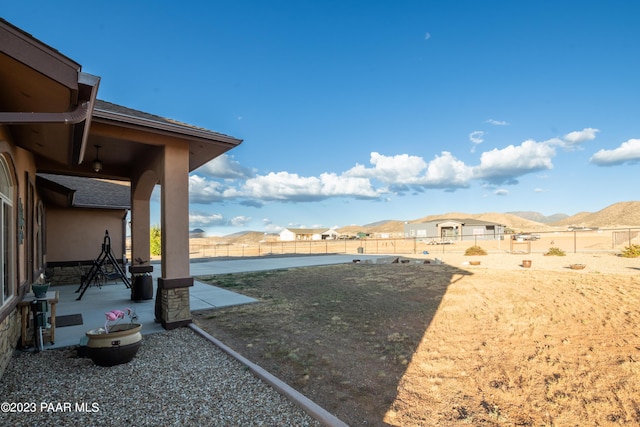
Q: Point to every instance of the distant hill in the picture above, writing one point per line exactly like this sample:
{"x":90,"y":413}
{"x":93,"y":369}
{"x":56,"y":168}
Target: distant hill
{"x":240,"y":237}
{"x":377,"y":223}
{"x":389,"y":226}
{"x":510,"y":221}
{"x":623,"y":214}
{"x":538,"y":217}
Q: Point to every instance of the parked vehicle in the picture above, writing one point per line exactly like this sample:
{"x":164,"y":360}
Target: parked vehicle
{"x":440,"y":242}
{"x":526,"y":236}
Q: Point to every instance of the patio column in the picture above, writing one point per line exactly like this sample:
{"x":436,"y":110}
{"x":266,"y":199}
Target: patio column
{"x":176,"y":279}
{"x":142,"y":185}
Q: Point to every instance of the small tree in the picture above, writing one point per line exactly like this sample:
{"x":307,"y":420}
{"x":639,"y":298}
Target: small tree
{"x":155,"y":241}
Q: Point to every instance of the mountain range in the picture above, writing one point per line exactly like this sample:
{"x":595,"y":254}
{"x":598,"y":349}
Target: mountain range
{"x":618,"y":215}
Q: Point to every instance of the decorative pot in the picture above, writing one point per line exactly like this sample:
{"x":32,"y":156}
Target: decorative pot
{"x":117,"y":346}
{"x":526,"y":263}
{"x":578,"y":266}
{"x":40,"y":290}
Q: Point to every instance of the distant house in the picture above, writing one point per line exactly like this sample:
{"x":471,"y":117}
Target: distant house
{"x":292,"y":234}
{"x":455,"y":230}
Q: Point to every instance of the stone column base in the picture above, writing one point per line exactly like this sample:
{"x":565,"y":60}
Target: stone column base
{"x":172,"y":300}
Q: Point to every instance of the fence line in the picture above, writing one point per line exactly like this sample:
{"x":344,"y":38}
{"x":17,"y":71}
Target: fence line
{"x":601,"y":240}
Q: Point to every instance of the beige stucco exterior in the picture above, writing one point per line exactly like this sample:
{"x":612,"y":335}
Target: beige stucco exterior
{"x":22,"y":168}
{"x":75,"y":235}
{"x":52,"y":123}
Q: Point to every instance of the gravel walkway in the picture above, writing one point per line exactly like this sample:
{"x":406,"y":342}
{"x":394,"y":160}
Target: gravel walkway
{"x":178,"y":378}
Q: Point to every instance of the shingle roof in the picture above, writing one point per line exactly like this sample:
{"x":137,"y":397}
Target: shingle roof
{"x":110,"y":107}
{"x":307,"y":230}
{"x":92,"y":192}
{"x":463,"y":221}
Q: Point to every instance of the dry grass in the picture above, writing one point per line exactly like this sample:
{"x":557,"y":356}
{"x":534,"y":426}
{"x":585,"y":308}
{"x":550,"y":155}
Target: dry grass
{"x":537,"y":349}
{"x":448,"y":345}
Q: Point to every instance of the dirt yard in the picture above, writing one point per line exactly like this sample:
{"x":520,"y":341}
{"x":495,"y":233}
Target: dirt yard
{"x":413,"y":344}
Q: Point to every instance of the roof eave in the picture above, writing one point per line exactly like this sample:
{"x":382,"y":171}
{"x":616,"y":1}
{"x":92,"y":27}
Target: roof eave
{"x":201,"y":134}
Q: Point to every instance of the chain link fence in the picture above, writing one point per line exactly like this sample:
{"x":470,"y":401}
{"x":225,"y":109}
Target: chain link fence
{"x":573,"y":241}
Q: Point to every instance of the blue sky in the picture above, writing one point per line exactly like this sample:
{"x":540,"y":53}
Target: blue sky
{"x":356,"y":111}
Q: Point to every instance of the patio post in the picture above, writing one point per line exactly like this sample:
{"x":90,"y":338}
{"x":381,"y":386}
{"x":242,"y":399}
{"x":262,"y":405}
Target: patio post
{"x":175,"y":281}
{"x":141,"y":188}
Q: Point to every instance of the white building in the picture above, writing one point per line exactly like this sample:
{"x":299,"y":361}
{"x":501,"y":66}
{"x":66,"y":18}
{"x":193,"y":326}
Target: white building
{"x":291,"y":234}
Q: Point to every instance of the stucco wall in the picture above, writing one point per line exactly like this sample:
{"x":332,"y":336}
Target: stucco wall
{"x":77,"y":234}
{"x":22,"y":164}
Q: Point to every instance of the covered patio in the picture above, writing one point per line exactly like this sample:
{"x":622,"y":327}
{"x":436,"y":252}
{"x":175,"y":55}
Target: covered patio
{"x":115,"y":295}
{"x":53,"y":124}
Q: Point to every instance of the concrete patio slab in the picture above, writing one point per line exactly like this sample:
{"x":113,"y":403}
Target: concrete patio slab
{"x":115,"y":295}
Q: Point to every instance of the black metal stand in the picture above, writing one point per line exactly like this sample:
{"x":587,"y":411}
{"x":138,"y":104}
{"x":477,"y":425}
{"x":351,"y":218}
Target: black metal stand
{"x":97,"y":266}
{"x":39,"y":308}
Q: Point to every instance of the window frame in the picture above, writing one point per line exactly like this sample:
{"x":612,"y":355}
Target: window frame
{"x":7,"y":234}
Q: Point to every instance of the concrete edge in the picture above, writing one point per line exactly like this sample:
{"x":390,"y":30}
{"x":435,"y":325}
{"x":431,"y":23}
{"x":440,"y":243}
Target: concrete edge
{"x":306,"y":404}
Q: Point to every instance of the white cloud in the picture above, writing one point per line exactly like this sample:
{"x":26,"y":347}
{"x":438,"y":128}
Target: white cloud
{"x":447,"y":171}
{"x":239,"y":221}
{"x":202,"y":190}
{"x":403,"y":171}
{"x":287,"y":186}
{"x":396,"y":174}
{"x":627,"y":152}
{"x":505,"y":165}
{"x":390,"y":169}
{"x":580,"y":136}
{"x":497,"y":122}
{"x":427,"y":36}
{"x":477,"y":137}
{"x":199,"y":219}
{"x":226,"y":167}
{"x":501,"y":192}
{"x":273,"y":228}
{"x":270,"y":227}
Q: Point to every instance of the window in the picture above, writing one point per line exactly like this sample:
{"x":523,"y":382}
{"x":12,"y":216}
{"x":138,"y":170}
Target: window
{"x":7,"y":232}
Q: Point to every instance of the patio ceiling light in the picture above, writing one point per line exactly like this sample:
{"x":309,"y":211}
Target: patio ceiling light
{"x":97,"y":164}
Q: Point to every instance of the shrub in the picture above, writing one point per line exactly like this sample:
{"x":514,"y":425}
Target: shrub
{"x":155,"y":242}
{"x":555,"y":252}
{"x":475,"y":250}
{"x":631,"y":251}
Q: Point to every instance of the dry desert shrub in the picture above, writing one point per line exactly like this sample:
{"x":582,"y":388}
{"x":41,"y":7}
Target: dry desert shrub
{"x":475,"y":250}
{"x":631,"y":251}
{"x":555,"y":252}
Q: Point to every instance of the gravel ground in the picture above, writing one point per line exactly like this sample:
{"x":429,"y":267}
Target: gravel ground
{"x":177,"y":379}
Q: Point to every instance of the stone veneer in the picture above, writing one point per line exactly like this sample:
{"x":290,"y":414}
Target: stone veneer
{"x":9,"y":335}
{"x":67,"y":275}
{"x":175,"y":306}
{"x":70,"y":275}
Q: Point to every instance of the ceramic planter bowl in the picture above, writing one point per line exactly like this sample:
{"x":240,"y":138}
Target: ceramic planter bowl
{"x":118,"y":346}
